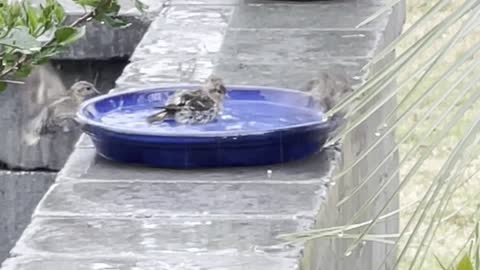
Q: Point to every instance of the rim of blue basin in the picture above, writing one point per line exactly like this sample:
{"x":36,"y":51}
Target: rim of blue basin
{"x":85,"y":120}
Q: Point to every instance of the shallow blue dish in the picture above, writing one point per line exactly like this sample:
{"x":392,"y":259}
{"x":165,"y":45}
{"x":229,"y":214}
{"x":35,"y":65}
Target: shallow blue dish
{"x":259,"y":126}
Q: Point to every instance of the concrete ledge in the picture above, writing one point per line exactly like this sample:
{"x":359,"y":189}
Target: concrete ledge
{"x":20,"y":192}
{"x":165,"y":262}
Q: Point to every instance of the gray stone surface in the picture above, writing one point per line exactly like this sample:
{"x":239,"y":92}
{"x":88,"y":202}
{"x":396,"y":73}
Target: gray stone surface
{"x":269,"y":74}
{"x":102,"y":73}
{"x":328,"y":15}
{"x":179,"y":38}
{"x":129,"y":217}
{"x":104,"y":42}
{"x":280,"y":46}
{"x":180,"y":199}
{"x":151,"y":237}
{"x":165,"y":262}
{"x":20,"y":192}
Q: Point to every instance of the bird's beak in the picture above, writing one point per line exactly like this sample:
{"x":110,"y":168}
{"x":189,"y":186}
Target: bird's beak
{"x":225,"y":91}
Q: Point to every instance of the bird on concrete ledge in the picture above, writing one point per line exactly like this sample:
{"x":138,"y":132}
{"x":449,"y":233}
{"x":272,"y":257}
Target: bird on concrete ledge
{"x":199,"y":106}
{"x":59,"y":115}
{"x":328,"y":89}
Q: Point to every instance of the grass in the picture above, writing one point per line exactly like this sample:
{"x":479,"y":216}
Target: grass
{"x":453,"y":232}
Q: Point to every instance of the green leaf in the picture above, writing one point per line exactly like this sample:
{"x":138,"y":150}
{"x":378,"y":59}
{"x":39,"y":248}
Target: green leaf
{"x":21,"y":39}
{"x":15,"y":10}
{"x":91,"y":3}
{"x":465,"y":264}
{"x":46,"y":35}
{"x":68,"y":35}
{"x":115,"y":22}
{"x":47,"y":12}
{"x":24,"y":71}
{"x":59,"y":13}
{"x":477,"y":246}
{"x":8,"y":59}
{"x":3,"y":86}
{"x":45,"y":54}
{"x":40,"y":61}
{"x":112,"y":8}
{"x":30,"y":17}
{"x":140,"y":6}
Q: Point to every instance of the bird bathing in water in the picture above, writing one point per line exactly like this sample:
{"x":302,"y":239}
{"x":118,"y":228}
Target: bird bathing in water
{"x":199,"y":106}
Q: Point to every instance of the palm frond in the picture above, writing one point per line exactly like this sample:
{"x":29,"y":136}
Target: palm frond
{"x":451,"y":91}
{"x":380,"y":82}
{"x":400,"y":63}
{"x":446,"y":95}
{"x":444,"y":178}
{"x":401,"y":38}
{"x":442,"y":134}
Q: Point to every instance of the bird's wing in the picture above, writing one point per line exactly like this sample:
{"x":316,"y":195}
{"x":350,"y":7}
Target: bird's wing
{"x":186,"y":96}
{"x":200,"y":103}
{"x":180,"y":99}
{"x":58,"y":116}
{"x":32,"y":130}
{"x":61,"y":116}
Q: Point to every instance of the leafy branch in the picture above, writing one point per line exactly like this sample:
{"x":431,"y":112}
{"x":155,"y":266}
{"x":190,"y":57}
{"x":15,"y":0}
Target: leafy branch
{"x":31,"y":35}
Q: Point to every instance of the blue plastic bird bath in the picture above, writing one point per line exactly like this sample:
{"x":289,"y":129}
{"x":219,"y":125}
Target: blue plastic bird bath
{"x":259,"y":126}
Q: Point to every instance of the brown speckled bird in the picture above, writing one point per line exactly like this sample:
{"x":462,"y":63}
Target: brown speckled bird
{"x":59,"y":115}
{"x":199,"y":106}
{"x":328,"y":89}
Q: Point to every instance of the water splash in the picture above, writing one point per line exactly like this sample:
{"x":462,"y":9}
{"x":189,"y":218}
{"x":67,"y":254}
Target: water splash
{"x":239,"y":115}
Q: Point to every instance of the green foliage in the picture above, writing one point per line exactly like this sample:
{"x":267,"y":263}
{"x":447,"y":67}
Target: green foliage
{"x":67,"y":35}
{"x":30,"y":35}
{"x":105,"y":11}
{"x":469,"y":259}
{"x":465,"y":264}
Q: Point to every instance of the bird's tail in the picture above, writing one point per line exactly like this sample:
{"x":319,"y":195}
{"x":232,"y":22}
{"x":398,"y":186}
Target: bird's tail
{"x":158,"y":117}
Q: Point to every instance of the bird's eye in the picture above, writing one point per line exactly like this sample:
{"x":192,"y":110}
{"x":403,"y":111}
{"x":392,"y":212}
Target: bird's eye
{"x":89,"y":88}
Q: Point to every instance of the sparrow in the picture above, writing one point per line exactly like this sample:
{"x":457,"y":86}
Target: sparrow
{"x":199,"y":106}
{"x":328,"y":89}
{"x":59,"y":115}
